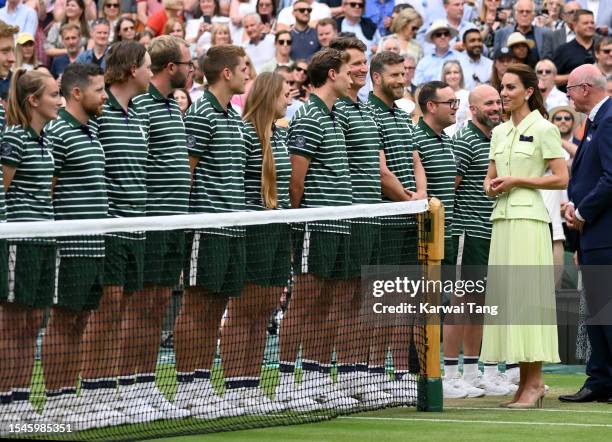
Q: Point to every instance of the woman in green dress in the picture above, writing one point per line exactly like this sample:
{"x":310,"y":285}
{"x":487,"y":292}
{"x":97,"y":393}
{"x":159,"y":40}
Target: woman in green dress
{"x":521,"y":277}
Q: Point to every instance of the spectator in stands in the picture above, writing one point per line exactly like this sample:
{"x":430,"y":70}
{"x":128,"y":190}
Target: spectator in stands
{"x":604,"y":18}
{"x":490,"y":20}
{"x":430,"y":66}
{"x":579,"y":51}
{"x":452,"y":75}
{"x":198,"y":30}
{"x":15,"y":13}
{"x":476,"y":67}
{"x":354,"y":21}
{"x":566,"y":119}
{"x":287,"y":18}
{"x":171,"y":9}
{"x":327,"y":30}
{"x":71,"y":40}
{"x":454,"y":16}
{"x":503,"y":59}
{"x":110,"y":10}
{"x":260,"y":48}
{"x":125,"y":29}
{"x":174,"y":27}
{"x":300,"y":75}
{"x":546,"y":72}
{"x":25,"y":53}
{"x":524,"y":13}
{"x":267,"y":11}
{"x":521,"y":49}
{"x":144,"y":38}
{"x":305,"y":42}
{"x":75,"y":14}
{"x":380,"y":13}
{"x":565,"y":32}
{"x":7,"y":60}
{"x":405,"y":27}
{"x":99,"y":33}
{"x":183,"y":100}
{"x":603,"y":55}
{"x":282,"y":42}
{"x":145,"y":9}
{"x":390,"y":43}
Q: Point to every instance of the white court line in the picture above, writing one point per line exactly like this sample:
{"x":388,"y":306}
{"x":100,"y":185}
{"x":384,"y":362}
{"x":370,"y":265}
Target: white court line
{"x":466,"y":421}
{"x":550,"y":410}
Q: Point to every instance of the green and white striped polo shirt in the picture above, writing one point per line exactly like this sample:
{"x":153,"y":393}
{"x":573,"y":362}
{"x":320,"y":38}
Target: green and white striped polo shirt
{"x":315,"y":133}
{"x":29,"y":196}
{"x":395,"y":132}
{"x":124,"y":140}
{"x":80,"y":190}
{"x":438,"y":158}
{"x":214,"y":136}
{"x":168,"y":175}
{"x":472,"y":207}
{"x":254,"y":161}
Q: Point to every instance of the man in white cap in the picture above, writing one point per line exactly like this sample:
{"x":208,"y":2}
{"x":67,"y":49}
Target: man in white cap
{"x":430,"y":66}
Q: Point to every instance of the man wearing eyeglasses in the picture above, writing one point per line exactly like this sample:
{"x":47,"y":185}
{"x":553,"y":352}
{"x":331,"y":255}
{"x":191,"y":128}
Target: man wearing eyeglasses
{"x":546,"y":72}
{"x":354,"y":21}
{"x":580,"y":50}
{"x":99,"y":34}
{"x":305,"y":42}
{"x":476,"y":67}
{"x":603,"y":55}
{"x":430,"y":66}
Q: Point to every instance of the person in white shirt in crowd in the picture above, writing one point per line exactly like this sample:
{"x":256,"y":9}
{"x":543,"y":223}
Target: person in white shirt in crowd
{"x":565,"y":32}
{"x":15,"y":13}
{"x":546,"y":72}
{"x":476,"y":67}
{"x":455,"y":19}
{"x":260,"y":47}
{"x":286,"y":19}
{"x":354,"y":21}
{"x":452,"y":74}
{"x":603,"y":55}
{"x":238,"y":10}
{"x":430,"y":66}
{"x":198,"y":29}
{"x":282,"y":42}
{"x":327,"y":30}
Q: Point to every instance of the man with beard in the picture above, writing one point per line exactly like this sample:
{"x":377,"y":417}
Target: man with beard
{"x":565,"y":118}
{"x":79,"y":192}
{"x":168,"y":181}
{"x":123,"y":137}
{"x":471,"y":220}
{"x":402,"y":179}
{"x":476,"y":67}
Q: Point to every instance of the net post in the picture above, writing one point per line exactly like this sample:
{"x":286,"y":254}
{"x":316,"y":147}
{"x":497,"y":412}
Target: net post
{"x":431,"y":239}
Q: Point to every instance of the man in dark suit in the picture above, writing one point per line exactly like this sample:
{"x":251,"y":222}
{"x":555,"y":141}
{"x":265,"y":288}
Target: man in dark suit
{"x":524,"y":13}
{"x":590,"y":212}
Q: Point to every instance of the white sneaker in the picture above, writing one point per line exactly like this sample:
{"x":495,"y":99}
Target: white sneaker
{"x":315,"y":387}
{"x":256,"y":402}
{"x":376,"y":399}
{"x":492,"y":385}
{"x":454,"y":388}
{"x":26,"y":411}
{"x":137,"y":410}
{"x":93,"y":412}
{"x":338,"y":398}
{"x":8,"y":416}
{"x":229,"y":406}
{"x":157,"y":400}
{"x":303,"y":404}
{"x":403,"y":391}
{"x":195,"y":394}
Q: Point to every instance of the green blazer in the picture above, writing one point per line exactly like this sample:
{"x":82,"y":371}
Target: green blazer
{"x":523,"y":151}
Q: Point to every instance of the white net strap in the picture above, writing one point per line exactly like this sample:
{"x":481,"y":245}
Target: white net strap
{"x":54,"y":229}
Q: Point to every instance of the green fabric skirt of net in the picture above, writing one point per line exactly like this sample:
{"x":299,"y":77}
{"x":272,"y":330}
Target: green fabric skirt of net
{"x":520,"y":283}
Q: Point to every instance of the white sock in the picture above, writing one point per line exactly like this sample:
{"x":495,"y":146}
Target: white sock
{"x":490,"y":370}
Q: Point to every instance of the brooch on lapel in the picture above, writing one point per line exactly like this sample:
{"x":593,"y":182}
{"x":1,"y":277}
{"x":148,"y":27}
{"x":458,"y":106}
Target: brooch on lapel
{"x":527,"y":139}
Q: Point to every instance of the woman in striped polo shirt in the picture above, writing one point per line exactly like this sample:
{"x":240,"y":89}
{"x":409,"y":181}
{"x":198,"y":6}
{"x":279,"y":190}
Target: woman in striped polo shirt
{"x":27,"y":162}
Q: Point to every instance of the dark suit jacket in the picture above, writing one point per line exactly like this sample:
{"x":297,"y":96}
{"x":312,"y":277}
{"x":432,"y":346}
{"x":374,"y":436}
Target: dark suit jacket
{"x":542,"y":39}
{"x":590,"y":186}
{"x":558,"y":37}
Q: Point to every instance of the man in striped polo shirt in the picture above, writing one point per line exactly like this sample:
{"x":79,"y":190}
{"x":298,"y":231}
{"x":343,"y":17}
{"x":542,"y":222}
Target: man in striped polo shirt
{"x":402,"y":179}
{"x":79,"y":192}
{"x":362,"y":147}
{"x":472,"y":221}
{"x":216,"y":268}
{"x":439,"y":105}
{"x":123,"y":137}
{"x":168,"y":183}
{"x":320,"y":177}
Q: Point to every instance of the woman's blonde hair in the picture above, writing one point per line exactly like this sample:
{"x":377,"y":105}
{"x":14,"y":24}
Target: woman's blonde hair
{"x":404,"y":18}
{"x":19,"y":61}
{"x":215,"y":30}
{"x":260,"y":111}
{"x":446,"y":67}
{"x":24,"y":84}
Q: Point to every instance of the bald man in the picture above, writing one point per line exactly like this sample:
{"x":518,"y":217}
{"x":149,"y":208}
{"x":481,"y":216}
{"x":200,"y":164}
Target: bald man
{"x":473,"y":210}
{"x":590,"y":212}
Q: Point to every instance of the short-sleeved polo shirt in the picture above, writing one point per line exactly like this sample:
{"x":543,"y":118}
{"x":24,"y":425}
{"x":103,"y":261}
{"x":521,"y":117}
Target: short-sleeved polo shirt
{"x":167,"y":170}
{"x":214,"y":136}
{"x":472,"y":207}
{"x":28,"y":198}
{"x":315,"y":133}
{"x":253,"y":170}
{"x":80,"y":190}
{"x":438,"y":158}
{"x":124,"y":140}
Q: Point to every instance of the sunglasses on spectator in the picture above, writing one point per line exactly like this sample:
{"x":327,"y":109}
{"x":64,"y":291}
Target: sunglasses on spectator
{"x":284,"y":42}
{"x":415,"y":28}
{"x":291,"y":82}
{"x":544,"y":71}
{"x":564,"y":118}
{"x":454,"y":104}
{"x":112,"y":5}
{"x":606,"y":51}
{"x":355,"y":5}
{"x":304,"y":10}
{"x":299,"y":69}
{"x":441,"y":34}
